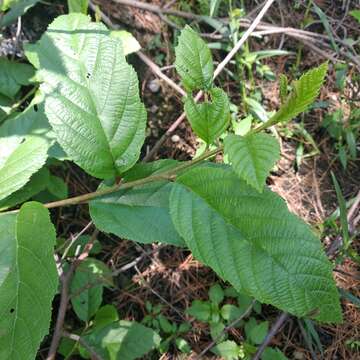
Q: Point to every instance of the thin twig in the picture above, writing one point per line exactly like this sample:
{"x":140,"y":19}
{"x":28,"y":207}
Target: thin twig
{"x":157,"y":294}
{"x":80,"y":340}
{"x":166,"y":175}
{"x":307,"y":340}
{"x":114,"y":273}
{"x":74,"y":238}
{"x":158,"y":10}
{"x":157,"y":71}
{"x":65,"y":280}
{"x":226,"y":329}
{"x":273,"y":331}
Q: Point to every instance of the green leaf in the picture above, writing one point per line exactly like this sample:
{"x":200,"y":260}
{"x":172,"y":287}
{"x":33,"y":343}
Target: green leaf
{"x":183,"y":345}
{"x":92,"y":96}
{"x":252,"y":157}
{"x":7,"y":231}
{"x":140,"y":213}
{"x":120,"y":340}
{"x":86,"y":288}
{"x":28,"y":289}
{"x":57,"y":187}
{"x":37,"y":183}
{"x":214,"y":7}
{"x":256,"y":109}
{"x":323,"y":18}
{"x":143,"y":170}
{"x":216,"y":329}
{"x":228,"y":350}
{"x":244,"y":302}
{"x":78,"y":6}
{"x":24,"y":142}
{"x":251,"y":240}
{"x":273,"y":354}
{"x":200,"y":310}
{"x":17,"y":10}
{"x":216,"y":294}
{"x":13,"y":75}
{"x":5,"y":107}
{"x":230,"y":312}
{"x":194,"y":61}
{"x":258,"y":332}
{"x":6,"y":4}
{"x":283,"y":84}
{"x":305,"y":91}
{"x":129,"y":43}
{"x":165,"y":325}
{"x":355,"y":14}
{"x":210,"y":118}
{"x":105,"y":316}
{"x":18,"y":163}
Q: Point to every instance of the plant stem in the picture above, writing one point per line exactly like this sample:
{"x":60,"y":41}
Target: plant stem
{"x":166,"y":175}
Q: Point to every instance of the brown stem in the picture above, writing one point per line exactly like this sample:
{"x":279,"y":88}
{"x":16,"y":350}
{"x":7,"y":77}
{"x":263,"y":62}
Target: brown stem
{"x":65,"y":280}
{"x":167,"y":175}
{"x":273,"y":331}
{"x":64,"y":299}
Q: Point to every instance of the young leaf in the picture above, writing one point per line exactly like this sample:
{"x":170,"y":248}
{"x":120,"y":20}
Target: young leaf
{"x":217,"y":329}
{"x":194,"y":61}
{"x":6,"y":4}
{"x":305,"y":91}
{"x":78,"y":6}
{"x":258,"y":332}
{"x":251,"y":240}
{"x":252,"y":157}
{"x":182,"y":345}
{"x":87,"y":288}
{"x":28,"y":288}
{"x":228,"y":350}
{"x":92,"y":97}
{"x":230,"y":312}
{"x":200,"y":310}
{"x":13,"y":75}
{"x":120,"y":340}
{"x":210,"y":118}
{"x":216,"y":294}
{"x":283,"y":85}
